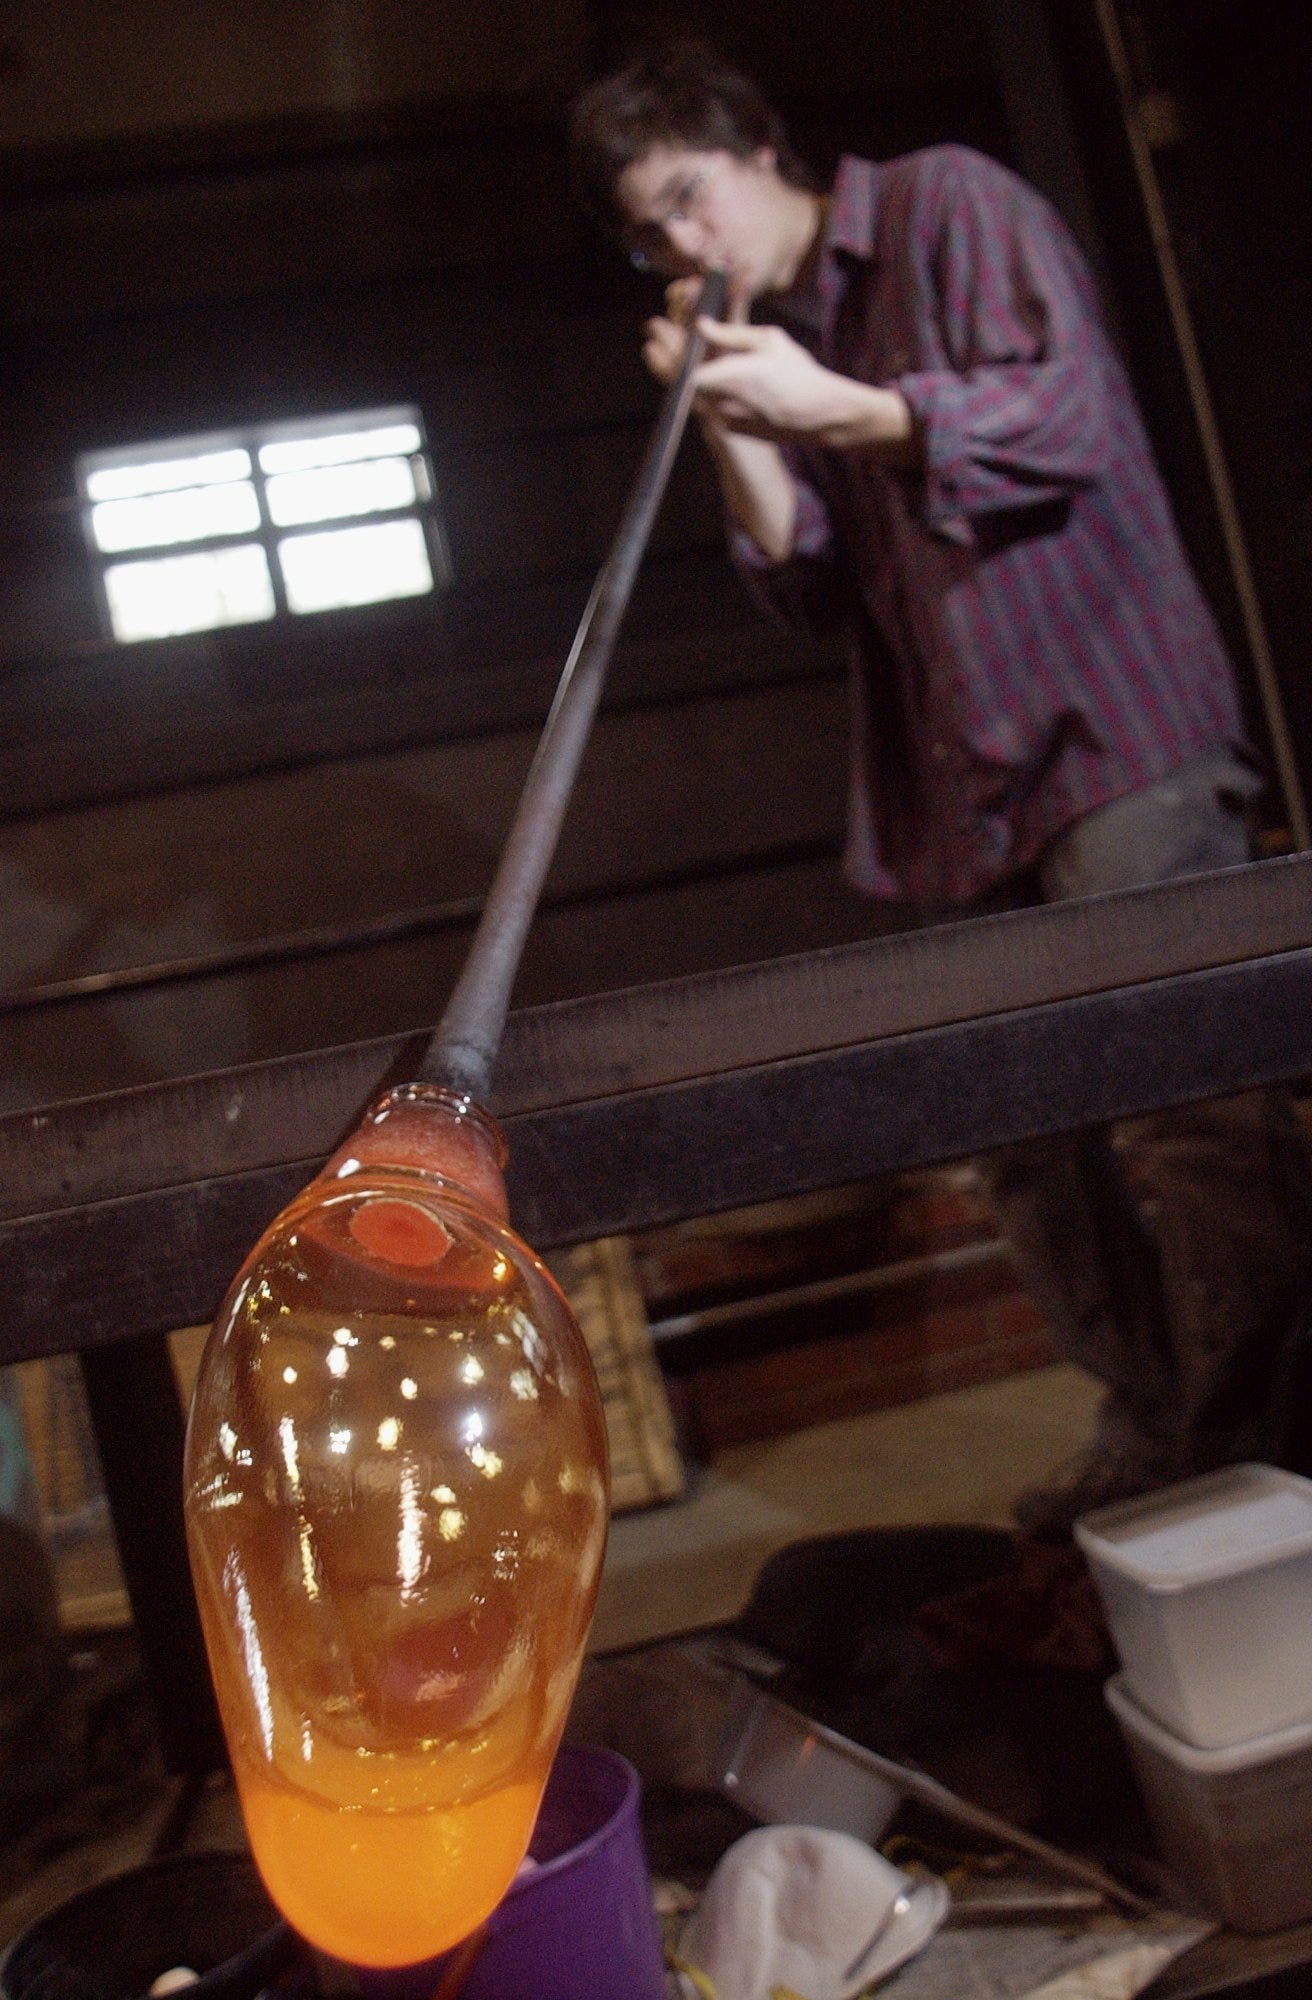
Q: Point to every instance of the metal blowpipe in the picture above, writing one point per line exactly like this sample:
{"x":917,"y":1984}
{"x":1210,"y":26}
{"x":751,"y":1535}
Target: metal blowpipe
{"x":464,"y":1048}
{"x":396,"y":1474}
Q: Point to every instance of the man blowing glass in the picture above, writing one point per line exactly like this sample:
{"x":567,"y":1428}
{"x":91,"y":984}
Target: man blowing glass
{"x":933,"y":443}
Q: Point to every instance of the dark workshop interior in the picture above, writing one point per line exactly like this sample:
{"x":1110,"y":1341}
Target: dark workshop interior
{"x":271,"y":837}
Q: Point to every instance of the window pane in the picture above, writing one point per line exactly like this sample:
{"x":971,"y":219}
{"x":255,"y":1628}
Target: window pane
{"x":125,"y":482}
{"x":339,"y":447}
{"x":193,"y":593}
{"x":190,"y":516}
{"x":355,"y":565}
{"x":180,"y":506}
{"x":328,"y":492}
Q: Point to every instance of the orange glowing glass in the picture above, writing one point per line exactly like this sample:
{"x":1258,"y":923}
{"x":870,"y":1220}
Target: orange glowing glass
{"x":396,"y":1500}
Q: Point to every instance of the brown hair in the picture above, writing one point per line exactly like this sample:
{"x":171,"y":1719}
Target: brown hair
{"x":680,"y":95}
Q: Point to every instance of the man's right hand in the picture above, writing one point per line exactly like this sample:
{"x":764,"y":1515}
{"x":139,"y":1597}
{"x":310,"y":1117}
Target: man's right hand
{"x":757,"y":485}
{"x":665,"y":338}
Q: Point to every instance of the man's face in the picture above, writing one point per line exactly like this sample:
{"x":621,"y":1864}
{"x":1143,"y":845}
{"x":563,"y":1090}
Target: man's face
{"x":688,"y":212}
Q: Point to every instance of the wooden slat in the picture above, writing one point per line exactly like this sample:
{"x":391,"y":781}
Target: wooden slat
{"x":760,"y":770}
{"x":602,"y":1286}
{"x":466,"y":201}
{"x":100,"y":726}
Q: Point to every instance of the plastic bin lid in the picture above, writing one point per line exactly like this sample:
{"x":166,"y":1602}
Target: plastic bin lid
{"x":1253,"y":1751}
{"x":1240,"y":1518}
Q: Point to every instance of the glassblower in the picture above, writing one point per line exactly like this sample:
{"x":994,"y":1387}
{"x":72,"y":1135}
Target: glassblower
{"x":396,"y":1474}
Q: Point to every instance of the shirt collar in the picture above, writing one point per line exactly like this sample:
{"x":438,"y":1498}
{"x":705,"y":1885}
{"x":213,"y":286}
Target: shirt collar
{"x":854,"y":207}
{"x":849,"y":232}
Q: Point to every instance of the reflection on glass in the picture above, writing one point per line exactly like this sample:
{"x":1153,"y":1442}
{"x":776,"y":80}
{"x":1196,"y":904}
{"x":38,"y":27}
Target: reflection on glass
{"x":355,"y":566}
{"x":395,"y":1559}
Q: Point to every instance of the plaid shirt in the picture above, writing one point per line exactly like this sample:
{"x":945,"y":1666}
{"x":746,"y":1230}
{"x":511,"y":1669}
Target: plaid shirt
{"x":1031,"y":640}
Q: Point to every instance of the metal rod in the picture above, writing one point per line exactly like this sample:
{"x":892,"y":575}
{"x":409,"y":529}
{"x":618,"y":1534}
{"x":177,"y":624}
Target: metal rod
{"x":465,"y":1046}
{"x":1218,"y":469}
{"x":927,"y":1791}
{"x":819,"y":1291}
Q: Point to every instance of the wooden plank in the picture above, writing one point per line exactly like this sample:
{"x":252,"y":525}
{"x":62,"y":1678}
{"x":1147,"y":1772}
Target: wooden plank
{"x":263,"y":1116}
{"x":469,"y":200}
{"x":759,"y":1133}
{"x":100,"y":726}
{"x":771,"y":904}
{"x":761,"y":774}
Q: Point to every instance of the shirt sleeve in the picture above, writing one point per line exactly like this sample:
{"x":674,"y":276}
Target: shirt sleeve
{"x":805,"y":588}
{"x":1019,"y":416}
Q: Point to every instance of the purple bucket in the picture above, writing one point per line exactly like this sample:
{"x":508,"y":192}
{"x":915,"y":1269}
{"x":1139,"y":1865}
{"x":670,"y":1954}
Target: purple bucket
{"x":580,"y":1925}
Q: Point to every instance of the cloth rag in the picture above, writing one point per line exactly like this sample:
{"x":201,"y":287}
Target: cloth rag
{"x":792,"y":1908}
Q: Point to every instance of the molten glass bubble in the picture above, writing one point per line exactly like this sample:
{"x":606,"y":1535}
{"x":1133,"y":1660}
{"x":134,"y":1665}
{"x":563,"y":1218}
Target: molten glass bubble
{"x":396,"y":1499}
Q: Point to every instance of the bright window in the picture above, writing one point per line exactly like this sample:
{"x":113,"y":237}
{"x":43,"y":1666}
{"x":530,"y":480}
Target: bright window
{"x":226,"y":500}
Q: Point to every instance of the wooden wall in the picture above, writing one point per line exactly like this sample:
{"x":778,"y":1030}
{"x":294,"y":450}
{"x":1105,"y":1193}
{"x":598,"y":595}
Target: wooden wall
{"x":286,"y":251}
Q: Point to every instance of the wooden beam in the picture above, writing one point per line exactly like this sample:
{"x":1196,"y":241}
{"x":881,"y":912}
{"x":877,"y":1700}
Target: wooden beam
{"x":294,"y":1109}
{"x":128,"y":1214}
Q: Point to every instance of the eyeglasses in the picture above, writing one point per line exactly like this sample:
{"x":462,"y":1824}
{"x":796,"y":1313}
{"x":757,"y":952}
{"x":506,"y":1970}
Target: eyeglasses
{"x":649,"y":242}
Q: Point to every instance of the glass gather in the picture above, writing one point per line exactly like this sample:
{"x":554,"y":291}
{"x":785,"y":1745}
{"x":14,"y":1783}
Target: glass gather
{"x":396,"y":1499}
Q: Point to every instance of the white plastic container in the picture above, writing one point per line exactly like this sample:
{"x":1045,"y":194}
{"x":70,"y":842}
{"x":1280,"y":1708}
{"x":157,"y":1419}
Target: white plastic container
{"x":785,"y":1769}
{"x":1208,"y":1592}
{"x":1235,"y":1825}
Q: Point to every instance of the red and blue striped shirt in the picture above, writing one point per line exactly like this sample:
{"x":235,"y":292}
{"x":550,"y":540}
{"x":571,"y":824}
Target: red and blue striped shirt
{"x":1031,"y":640}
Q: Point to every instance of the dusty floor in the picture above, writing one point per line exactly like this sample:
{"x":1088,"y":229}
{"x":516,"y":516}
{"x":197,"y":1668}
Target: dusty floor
{"x":960,"y":1457}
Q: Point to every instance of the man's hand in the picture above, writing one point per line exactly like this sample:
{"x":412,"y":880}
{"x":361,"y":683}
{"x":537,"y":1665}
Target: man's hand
{"x":759,"y":389}
{"x":760,"y":382}
{"x":666,"y":338}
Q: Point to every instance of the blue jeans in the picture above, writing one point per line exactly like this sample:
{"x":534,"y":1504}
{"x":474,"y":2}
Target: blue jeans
{"x":1169,"y":1252}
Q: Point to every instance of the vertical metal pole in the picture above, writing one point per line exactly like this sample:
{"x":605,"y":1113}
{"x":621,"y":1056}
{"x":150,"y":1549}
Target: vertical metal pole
{"x":136,"y":1414}
{"x":1205,"y":416}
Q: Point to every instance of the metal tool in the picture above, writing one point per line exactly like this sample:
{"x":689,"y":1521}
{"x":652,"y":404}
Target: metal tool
{"x":899,"y":1906}
{"x":464,"y":1048}
{"x":928,"y":1791}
